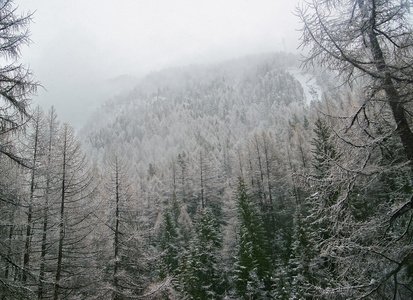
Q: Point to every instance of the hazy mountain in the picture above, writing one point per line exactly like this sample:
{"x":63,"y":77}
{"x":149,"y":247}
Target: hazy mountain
{"x":201,"y":106}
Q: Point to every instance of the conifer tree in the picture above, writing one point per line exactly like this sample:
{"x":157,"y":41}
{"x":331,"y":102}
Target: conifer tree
{"x":169,"y":239}
{"x":253,"y":267}
{"x":16,"y":87}
{"x":201,"y":275}
{"x":302,"y":255}
{"x":370,"y":39}
{"x":35,"y":148}
{"x":75,"y":189}
{"x":324,"y":152}
{"x":50,"y":190}
{"x":17,"y":83}
{"x":125,"y":263}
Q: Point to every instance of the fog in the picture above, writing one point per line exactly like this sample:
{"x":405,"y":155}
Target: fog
{"x":79,"y":47}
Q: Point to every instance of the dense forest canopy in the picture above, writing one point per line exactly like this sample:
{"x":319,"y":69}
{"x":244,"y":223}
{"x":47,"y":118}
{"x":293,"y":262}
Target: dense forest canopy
{"x":253,"y":178}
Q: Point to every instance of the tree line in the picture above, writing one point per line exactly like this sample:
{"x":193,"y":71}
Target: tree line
{"x":317,"y":207}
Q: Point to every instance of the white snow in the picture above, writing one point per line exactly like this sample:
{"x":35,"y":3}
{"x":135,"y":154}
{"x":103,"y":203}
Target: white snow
{"x":312,"y":91}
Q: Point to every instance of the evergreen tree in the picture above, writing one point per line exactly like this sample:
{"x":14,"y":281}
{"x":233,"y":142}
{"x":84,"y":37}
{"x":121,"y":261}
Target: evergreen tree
{"x":302,"y":255}
{"x":324,"y":151}
{"x":324,"y":157}
{"x":253,"y":268}
{"x":201,"y":275}
{"x":170,"y":240}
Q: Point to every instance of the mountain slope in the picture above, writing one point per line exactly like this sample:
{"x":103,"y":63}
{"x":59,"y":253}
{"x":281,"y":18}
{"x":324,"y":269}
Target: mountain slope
{"x":200,"y":107}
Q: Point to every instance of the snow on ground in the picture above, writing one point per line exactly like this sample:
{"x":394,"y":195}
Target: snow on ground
{"x":312,"y":91}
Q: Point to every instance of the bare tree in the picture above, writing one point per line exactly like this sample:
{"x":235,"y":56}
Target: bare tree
{"x":76,"y":187}
{"x":372,"y":39}
{"x":125,"y":260}
{"x":368,"y":42}
{"x":49,"y":190}
{"x":16,"y":81}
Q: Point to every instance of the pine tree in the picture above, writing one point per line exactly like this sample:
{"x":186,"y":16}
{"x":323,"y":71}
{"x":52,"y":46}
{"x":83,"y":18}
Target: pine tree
{"x":169,"y":242}
{"x":324,"y":151}
{"x":201,"y":275}
{"x":302,"y":254}
{"x":253,"y":267}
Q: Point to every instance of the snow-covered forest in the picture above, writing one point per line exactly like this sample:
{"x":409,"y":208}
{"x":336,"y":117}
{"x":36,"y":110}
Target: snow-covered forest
{"x":270,"y":176}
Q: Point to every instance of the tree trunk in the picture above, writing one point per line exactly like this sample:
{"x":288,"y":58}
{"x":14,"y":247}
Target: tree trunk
{"x":26,"y":257}
{"x":268,"y":163}
{"x":116,"y":242}
{"x":61,"y":224}
{"x":393,"y":97}
{"x":261,"y":188}
{"x":202,"y":182}
{"x":40,"y":291}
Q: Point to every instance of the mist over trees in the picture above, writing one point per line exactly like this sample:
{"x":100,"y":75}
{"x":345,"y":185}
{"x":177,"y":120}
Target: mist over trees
{"x":245,"y":179}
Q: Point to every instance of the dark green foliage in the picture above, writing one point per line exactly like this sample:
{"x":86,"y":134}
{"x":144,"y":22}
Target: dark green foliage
{"x":169,"y":246}
{"x":201,"y":274}
{"x":253,"y":268}
{"x":171,"y":239}
{"x":340,"y":227}
{"x":324,"y":151}
{"x":302,"y":254}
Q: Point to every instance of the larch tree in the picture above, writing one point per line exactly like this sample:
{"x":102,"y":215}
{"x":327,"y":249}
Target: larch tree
{"x":49,"y":193}
{"x":126,"y":265}
{"x":16,"y":83}
{"x":75,"y":189}
{"x":368,"y":42}
{"x":366,"y":38}
{"x":211,"y":184}
{"x":12,"y":226}
{"x":118,"y":187}
{"x":35,"y":147}
{"x":16,"y":87}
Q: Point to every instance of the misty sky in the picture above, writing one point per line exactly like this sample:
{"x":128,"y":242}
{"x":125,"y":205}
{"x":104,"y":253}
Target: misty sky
{"x":79,"y":45}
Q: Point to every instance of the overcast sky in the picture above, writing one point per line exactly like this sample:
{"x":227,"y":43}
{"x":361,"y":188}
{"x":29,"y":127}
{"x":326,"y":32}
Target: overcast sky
{"x":79,"y":44}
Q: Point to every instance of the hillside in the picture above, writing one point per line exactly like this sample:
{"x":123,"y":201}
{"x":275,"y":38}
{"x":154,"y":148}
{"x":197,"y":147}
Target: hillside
{"x":195,"y":107}
{"x":245,"y":178}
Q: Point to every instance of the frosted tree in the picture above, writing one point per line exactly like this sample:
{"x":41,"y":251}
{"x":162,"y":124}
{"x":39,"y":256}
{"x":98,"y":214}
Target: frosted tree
{"x":367,"y":38}
{"x":305,"y":268}
{"x":119,"y":188}
{"x":200,"y":273}
{"x":211,"y":184}
{"x":252,"y":268}
{"x":125,"y":263}
{"x":373,"y":40}
{"x":35,"y":146}
{"x":74,"y":209}
{"x":46,"y":205}
{"x":185,"y":188}
{"x":12,"y":231}
{"x":16,"y":87}
{"x":17,"y":83}
{"x":170,"y":239}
